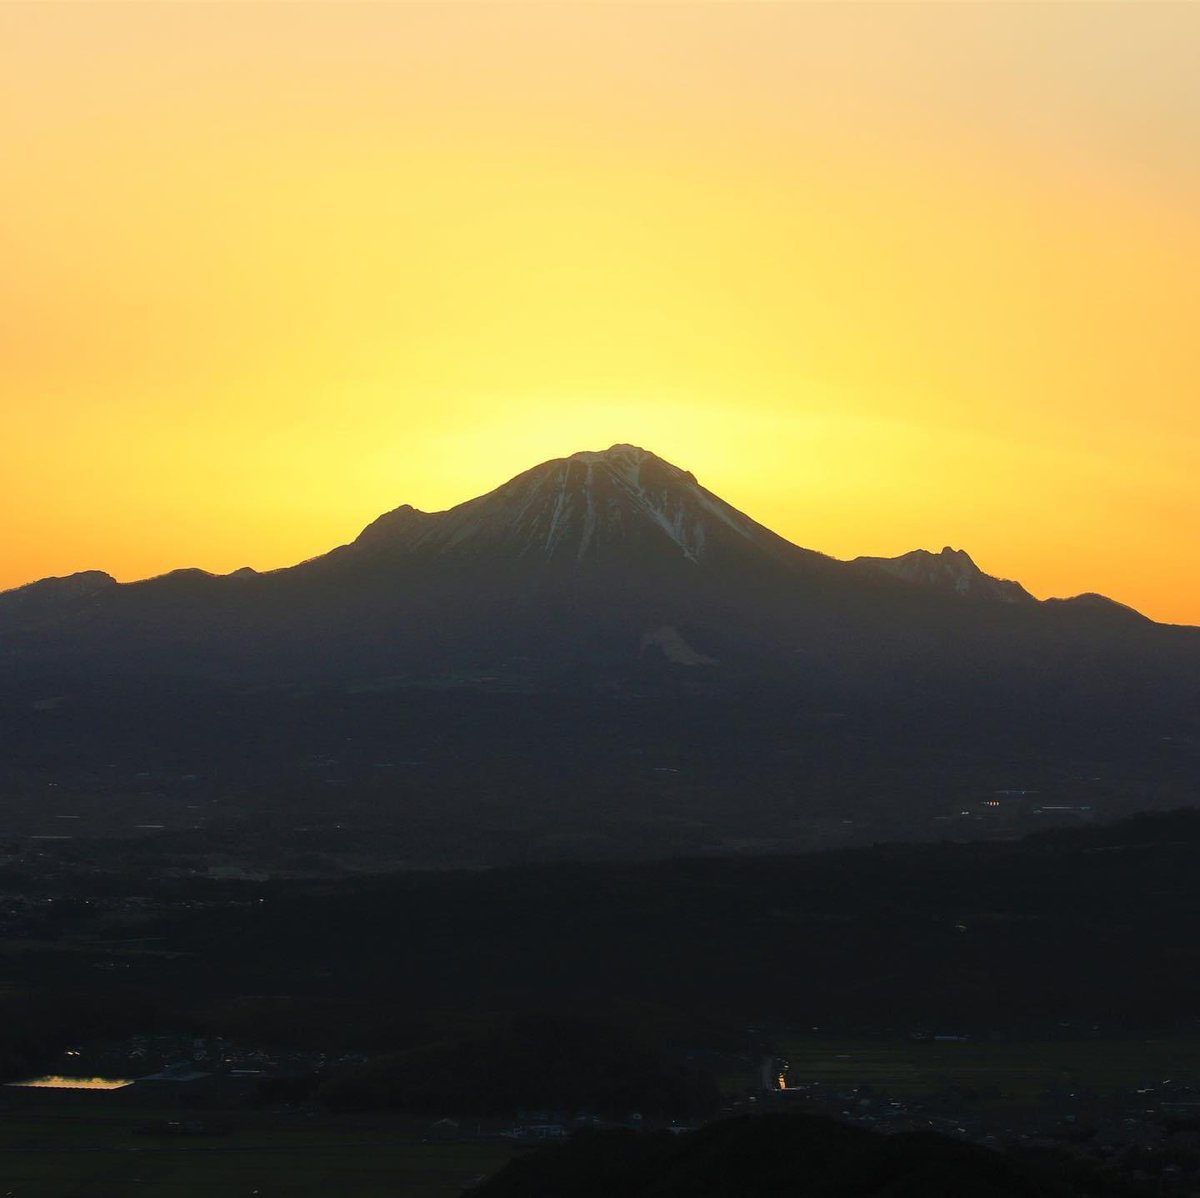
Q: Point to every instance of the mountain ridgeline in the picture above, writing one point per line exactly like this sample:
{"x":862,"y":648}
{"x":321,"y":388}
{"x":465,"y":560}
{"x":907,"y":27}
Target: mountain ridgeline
{"x":584,"y":568}
{"x":556,"y":652}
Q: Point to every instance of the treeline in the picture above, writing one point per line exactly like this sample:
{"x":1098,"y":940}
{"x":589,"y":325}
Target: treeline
{"x":557,"y":1062}
{"x":1096,"y":925}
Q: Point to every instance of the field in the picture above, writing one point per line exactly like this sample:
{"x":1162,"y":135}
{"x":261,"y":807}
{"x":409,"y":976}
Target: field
{"x":89,"y":1152}
{"x":1021,"y":1070}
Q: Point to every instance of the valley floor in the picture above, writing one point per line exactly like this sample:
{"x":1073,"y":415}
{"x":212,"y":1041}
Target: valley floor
{"x":85,"y":1152}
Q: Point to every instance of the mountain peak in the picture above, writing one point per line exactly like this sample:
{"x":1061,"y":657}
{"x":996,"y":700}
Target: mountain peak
{"x":48,"y":595}
{"x":628,"y":460}
{"x":620,"y":503}
{"x":619,"y":452}
{"x":952,"y":570}
{"x":70,"y":586}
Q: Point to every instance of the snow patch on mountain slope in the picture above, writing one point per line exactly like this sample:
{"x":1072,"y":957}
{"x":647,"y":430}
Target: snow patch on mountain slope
{"x":674,"y":648}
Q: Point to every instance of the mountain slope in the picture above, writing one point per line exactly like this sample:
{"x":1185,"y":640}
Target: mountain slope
{"x":952,"y":571}
{"x":586,"y":508}
{"x":582,"y":566}
{"x":37,"y":601}
{"x":598,"y":657}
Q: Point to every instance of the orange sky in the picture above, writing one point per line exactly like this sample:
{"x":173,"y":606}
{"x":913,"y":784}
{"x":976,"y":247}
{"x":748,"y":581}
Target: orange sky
{"x":881,"y":276}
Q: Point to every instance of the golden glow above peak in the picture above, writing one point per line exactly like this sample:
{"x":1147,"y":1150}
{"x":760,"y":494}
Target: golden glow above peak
{"x":882,"y":276}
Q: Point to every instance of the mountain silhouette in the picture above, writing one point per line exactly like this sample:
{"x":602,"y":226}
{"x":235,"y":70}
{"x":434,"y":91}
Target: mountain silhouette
{"x":598,"y":658}
{"x":586,"y":567}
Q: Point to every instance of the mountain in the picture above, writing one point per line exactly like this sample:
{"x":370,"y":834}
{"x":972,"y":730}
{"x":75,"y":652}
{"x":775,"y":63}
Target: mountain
{"x":620,"y":505}
{"x":583,"y":566}
{"x":600,"y":657}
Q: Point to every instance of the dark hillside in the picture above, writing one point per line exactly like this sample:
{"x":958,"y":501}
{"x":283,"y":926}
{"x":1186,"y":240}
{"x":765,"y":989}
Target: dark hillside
{"x":775,"y":1155}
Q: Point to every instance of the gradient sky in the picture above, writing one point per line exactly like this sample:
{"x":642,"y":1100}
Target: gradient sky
{"x":883,"y":276}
